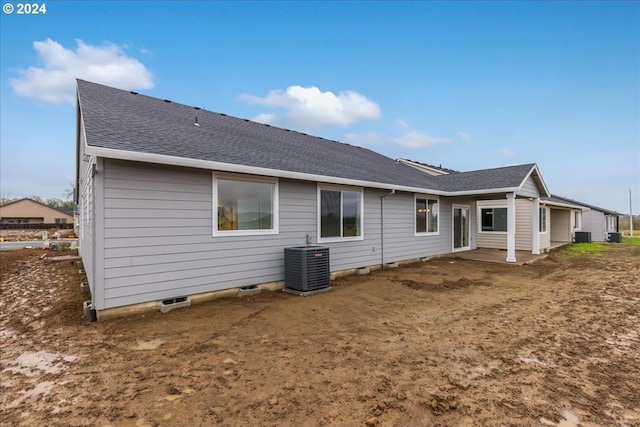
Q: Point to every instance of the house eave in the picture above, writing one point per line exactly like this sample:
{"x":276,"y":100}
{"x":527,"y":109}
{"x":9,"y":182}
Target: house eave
{"x":244,"y":169}
{"x":255,"y":170}
{"x":562,"y":205}
{"x":486,"y":191}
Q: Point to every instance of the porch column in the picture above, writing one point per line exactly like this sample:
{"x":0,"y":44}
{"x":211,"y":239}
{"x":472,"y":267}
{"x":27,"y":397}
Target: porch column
{"x":511,"y":227}
{"x":535,"y":225}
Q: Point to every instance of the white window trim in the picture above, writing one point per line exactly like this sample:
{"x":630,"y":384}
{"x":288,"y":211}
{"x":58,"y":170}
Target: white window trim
{"x":428,"y":197}
{"x":546,"y":221}
{"x":463,"y":248}
{"x":341,"y":188}
{"x":247,"y":178}
{"x":577,"y":226}
{"x":480,"y":220}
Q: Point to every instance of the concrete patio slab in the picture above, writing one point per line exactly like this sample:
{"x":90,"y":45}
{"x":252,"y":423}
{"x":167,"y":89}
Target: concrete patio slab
{"x":497,"y":255}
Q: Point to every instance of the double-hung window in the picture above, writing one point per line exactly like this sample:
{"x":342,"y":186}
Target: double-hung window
{"x":426,"y":214}
{"x":244,"y":205}
{"x":576,"y":219}
{"x":493,"y":219}
{"x":543,"y":220}
{"x":341,"y":213}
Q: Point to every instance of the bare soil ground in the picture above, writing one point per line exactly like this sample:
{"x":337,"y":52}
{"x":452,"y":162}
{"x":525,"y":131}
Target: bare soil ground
{"x":443,"y":343}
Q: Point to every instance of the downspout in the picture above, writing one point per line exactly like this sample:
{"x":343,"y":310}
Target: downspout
{"x":382,"y":223}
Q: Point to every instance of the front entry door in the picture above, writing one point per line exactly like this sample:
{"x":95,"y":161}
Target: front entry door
{"x":461,"y":220}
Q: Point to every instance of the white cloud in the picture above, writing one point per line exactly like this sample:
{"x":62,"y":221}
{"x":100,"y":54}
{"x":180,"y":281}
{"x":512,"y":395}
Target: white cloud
{"x":265,"y":118}
{"x":507,"y":152}
{"x":55,"y":81}
{"x":417,"y":139}
{"x":367,"y":139}
{"x":308,"y":108}
{"x":464,"y":136}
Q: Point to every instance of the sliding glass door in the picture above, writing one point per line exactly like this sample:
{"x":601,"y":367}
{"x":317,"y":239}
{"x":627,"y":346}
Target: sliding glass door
{"x":461,"y":220}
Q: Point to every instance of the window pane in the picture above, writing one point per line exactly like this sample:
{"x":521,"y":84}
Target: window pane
{"x":329,"y":213}
{"x":244,"y":205}
{"x":350,"y":214}
{"x":500,"y":219}
{"x":543,"y":220}
{"x":494,"y":219}
{"x":433,"y":216}
{"x":421,"y":215}
{"x":487,"y":219}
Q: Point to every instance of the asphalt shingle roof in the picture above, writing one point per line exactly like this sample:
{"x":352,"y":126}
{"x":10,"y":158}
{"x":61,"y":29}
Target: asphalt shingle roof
{"x":505,"y":177}
{"x":123,"y":120}
{"x":559,"y":199}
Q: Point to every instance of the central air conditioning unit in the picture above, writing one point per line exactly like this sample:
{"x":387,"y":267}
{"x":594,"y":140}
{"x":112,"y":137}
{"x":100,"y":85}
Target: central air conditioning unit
{"x":614,"y":238}
{"x":582,"y":237}
{"x":306,"y":268}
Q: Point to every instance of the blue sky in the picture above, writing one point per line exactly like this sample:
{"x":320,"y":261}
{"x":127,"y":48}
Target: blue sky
{"x":469,"y":85}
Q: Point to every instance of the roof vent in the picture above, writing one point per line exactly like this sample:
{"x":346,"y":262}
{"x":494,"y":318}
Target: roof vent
{"x":197,"y":108}
{"x":196,"y":122}
{"x":133,"y":93}
{"x":167,"y":100}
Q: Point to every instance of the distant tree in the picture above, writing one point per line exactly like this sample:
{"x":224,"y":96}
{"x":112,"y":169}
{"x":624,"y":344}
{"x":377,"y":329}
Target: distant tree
{"x":5,"y":197}
{"x":70,"y":191}
{"x":63,"y":205}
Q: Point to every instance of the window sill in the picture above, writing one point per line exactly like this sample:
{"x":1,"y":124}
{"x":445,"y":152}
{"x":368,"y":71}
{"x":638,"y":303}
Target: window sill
{"x":340,"y":239}
{"x":432,"y":233}
{"x":232,"y":233}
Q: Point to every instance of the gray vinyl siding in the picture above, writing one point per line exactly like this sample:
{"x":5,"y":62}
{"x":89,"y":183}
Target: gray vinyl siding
{"x":400,"y":241}
{"x":596,"y":223}
{"x":529,"y":189}
{"x":158,"y":243}
{"x":158,"y":235}
{"x":86,"y":207}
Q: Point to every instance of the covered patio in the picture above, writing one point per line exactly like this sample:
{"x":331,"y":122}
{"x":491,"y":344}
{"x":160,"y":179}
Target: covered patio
{"x":499,"y":255}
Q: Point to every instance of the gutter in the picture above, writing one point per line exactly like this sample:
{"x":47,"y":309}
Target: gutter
{"x":163,"y":159}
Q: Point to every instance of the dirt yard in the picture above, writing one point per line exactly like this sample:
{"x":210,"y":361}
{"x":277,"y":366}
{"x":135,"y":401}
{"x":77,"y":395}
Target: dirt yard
{"x":443,"y":343}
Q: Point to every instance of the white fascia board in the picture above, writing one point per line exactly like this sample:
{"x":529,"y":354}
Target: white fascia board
{"x":255,"y":170}
{"x":250,"y":170}
{"x":481,"y":192}
{"x":561,"y":205}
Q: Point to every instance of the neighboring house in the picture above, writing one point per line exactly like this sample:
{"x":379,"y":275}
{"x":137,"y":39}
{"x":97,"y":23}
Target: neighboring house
{"x":29,"y":211}
{"x":595,"y":220}
{"x":177,"y":201}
